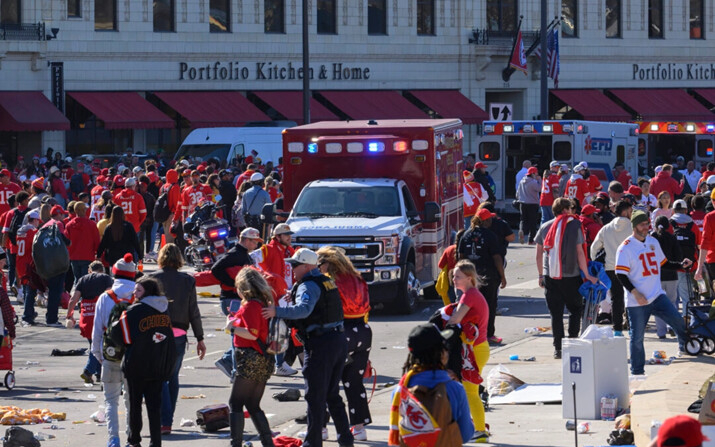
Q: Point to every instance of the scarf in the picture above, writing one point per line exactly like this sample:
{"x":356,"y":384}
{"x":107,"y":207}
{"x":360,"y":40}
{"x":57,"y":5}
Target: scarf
{"x":553,"y":244}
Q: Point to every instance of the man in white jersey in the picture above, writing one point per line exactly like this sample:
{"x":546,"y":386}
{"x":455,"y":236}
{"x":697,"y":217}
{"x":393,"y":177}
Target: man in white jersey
{"x":638,"y":262}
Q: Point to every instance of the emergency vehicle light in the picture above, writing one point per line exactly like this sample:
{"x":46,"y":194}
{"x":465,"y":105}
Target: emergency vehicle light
{"x":399,"y":146}
{"x":672,"y":127}
{"x":654,"y":127}
{"x":508,"y":128}
{"x":333,"y":148}
{"x":710,"y":127}
{"x":488,"y":128}
{"x":548,"y":128}
{"x":295,"y":147}
{"x":376,"y":146}
{"x":528,"y":128}
{"x":709,"y":152}
{"x":296,"y":160}
{"x":690,"y":127}
{"x":313,"y":148}
{"x":354,"y":148}
{"x":420,"y":145}
{"x":566,"y":127}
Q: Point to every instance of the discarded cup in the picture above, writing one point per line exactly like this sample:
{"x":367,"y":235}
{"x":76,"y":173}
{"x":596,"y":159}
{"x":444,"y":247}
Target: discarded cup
{"x":187,"y":423}
{"x":32,"y":363}
{"x":584,"y":427}
{"x":570,"y":425}
{"x":43,"y":436}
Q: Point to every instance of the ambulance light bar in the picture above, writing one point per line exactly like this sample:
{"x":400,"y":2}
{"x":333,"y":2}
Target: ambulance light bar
{"x":376,"y":146}
{"x":313,"y":148}
{"x":488,"y":128}
{"x":547,"y":128}
{"x":654,"y":127}
{"x":567,"y":128}
{"x":420,"y":145}
{"x":295,"y":147}
{"x":690,"y":127}
{"x":528,"y":128}
{"x":710,"y":127}
{"x":354,"y":147}
{"x":508,"y":128}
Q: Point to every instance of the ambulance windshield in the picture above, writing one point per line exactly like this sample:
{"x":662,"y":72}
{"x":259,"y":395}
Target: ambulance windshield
{"x":359,"y":201}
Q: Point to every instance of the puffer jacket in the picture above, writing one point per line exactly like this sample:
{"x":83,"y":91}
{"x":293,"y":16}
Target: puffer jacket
{"x":610,"y":237}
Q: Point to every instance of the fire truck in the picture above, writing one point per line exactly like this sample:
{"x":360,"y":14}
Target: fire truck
{"x":388,"y":192}
{"x":504,"y":145}
{"x":662,"y":141}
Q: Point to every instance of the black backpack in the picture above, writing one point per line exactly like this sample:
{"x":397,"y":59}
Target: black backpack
{"x":161,"y":208}
{"x":112,"y":351}
{"x":686,"y":239}
{"x":16,"y":223}
{"x":76,"y":183}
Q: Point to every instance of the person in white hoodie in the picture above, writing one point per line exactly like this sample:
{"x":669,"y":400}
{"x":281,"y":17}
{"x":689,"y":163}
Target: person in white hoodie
{"x":608,"y":239}
{"x":124,"y":272}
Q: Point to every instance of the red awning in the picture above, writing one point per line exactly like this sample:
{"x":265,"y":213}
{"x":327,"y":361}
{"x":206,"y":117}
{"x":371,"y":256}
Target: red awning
{"x":29,"y":112}
{"x":123,"y":110}
{"x":664,"y":104}
{"x":592,"y":105}
{"x":290,"y":105}
{"x":707,"y":93}
{"x":213,"y":109}
{"x":451,"y":104}
{"x":373,"y":104}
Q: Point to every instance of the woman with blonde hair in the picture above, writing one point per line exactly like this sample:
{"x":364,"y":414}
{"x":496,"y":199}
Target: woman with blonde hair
{"x":664,"y":209}
{"x":254,"y":366}
{"x":356,"y":306}
{"x":472,"y":313}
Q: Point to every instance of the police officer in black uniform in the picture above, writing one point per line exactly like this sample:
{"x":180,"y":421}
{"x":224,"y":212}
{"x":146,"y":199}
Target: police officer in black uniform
{"x":316,"y":311}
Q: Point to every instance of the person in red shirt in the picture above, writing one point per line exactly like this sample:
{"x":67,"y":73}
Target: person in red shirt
{"x":473,"y":196}
{"x":706,"y":259}
{"x":7,"y":189}
{"x":549,"y":191}
{"x":664,"y":182}
{"x":132,"y":203}
{"x":57,"y":186}
{"x":246,"y":175}
{"x":591,"y":224}
{"x":174,"y":195}
{"x":576,"y":187}
{"x":594,"y":184}
{"x":25,"y":236}
{"x":96,"y":192}
{"x":22,"y":198}
{"x":192,"y":195}
{"x":84,"y":241}
{"x":622,"y":175}
{"x":697,"y":203}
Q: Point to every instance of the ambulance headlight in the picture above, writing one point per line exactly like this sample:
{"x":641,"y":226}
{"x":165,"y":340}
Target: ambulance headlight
{"x":391,"y":246}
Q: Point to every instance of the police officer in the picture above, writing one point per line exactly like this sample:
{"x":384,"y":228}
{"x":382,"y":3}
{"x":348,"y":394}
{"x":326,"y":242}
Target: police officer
{"x":316,"y":312}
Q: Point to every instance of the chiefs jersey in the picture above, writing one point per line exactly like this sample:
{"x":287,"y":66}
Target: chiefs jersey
{"x":548,"y":184}
{"x":133,"y":205}
{"x":5,"y":192}
{"x":641,"y":262}
{"x":576,"y":188}
{"x":191,"y":196}
{"x":24,"y":254}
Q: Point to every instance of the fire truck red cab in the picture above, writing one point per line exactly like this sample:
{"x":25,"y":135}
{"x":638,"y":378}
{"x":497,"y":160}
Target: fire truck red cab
{"x":388,"y":192}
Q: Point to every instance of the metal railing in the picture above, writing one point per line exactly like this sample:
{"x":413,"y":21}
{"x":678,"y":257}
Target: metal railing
{"x":498,"y":37}
{"x":22,"y":31}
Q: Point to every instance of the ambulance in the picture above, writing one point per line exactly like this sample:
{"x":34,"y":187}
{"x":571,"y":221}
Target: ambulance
{"x":662,"y":141}
{"x":388,"y":192}
{"x":504,"y":145}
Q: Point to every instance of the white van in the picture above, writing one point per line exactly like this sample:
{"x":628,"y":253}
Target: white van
{"x":226,"y":143}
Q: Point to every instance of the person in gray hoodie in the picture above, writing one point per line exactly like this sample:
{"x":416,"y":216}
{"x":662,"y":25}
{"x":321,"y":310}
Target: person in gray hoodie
{"x":603,"y":249}
{"x":528,"y":196}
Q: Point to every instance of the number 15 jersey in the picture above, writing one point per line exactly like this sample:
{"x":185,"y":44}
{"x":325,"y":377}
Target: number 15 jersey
{"x":641,"y":262}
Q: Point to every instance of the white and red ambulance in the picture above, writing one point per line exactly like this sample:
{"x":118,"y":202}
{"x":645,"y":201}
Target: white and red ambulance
{"x":389,"y":192}
{"x":662,"y":141}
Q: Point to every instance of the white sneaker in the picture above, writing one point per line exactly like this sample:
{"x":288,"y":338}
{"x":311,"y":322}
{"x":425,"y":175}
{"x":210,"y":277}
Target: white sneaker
{"x":285,"y":370}
{"x":20,"y":296}
{"x":359,"y":435}
{"x":303,"y":434}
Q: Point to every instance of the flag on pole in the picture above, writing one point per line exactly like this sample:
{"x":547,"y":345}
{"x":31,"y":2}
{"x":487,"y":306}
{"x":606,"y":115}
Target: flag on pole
{"x":552,"y":56}
{"x":518,"y":55}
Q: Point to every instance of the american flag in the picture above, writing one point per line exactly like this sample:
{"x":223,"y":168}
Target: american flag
{"x":552,"y":55}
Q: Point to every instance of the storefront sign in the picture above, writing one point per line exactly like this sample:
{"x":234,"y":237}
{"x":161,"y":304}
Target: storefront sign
{"x":269,"y":71}
{"x":58,"y":85}
{"x":673,"y":72}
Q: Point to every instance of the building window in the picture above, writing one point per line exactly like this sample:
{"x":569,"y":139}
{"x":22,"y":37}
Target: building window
{"x":377,"y":17}
{"x":613,"y":18}
{"x":569,"y":21}
{"x":74,"y":8}
{"x":220,"y":16}
{"x":655,"y":19}
{"x":502,"y":15}
{"x":163,"y":15}
{"x":274,"y":16}
{"x":105,"y":15}
{"x":425,"y":17}
{"x":10,"y":11}
{"x":326,"y":16}
{"x":697,"y":11}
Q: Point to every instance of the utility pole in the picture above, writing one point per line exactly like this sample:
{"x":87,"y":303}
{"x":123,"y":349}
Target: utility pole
{"x":544,"y":80}
{"x":306,"y":66}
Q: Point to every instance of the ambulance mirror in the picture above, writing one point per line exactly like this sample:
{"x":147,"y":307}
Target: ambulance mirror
{"x":432,"y":213}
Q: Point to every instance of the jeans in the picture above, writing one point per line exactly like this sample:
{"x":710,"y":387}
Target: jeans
{"x":152,"y":236}
{"x":227,"y":357}
{"x":638,"y":317}
{"x":79,"y":269}
{"x":112,"y":379}
{"x":92,"y":366}
{"x":170,"y":389}
{"x":60,"y":200}
{"x":559,"y":293}
{"x":28,"y":314}
{"x":11,"y":259}
{"x":150,"y":390}
{"x":671,"y":291}
{"x":55,"y":286}
{"x":685,"y":289}
{"x":546,"y":214}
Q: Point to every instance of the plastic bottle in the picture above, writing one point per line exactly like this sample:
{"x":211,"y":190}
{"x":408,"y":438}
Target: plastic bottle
{"x":140,"y":266}
{"x":584,"y":427}
{"x":531,"y":330}
{"x":513,"y":357}
{"x":702,"y":287}
{"x":43,"y":436}
{"x":570,"y":425}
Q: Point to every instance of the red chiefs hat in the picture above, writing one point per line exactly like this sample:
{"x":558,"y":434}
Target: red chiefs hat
{"x":681,"y":428}
{"x":5,"y":173}
{"x":479,"y":164}
{"x":588,"y":210}
{"x":104,"y":172}
{"x":57,"y":210}
{"x":484,"y":214}
{"x":635,"y":190}
{"x":118,"y":180}
{"x":152,"y":176}
{"x":532,"y":170}
{"x":468,"y":176}
{"x":101,"y":179}
{"x":201,"y":168}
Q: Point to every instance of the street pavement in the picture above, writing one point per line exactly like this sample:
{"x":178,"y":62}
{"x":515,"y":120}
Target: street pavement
{"x":54,"y":382}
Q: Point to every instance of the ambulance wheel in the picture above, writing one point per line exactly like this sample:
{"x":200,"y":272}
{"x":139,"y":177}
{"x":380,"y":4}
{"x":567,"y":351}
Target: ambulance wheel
{"x":693,"y":346}
{"x":708,"y":345}
{"x":409,"y":292}
{"x":10,"y":380}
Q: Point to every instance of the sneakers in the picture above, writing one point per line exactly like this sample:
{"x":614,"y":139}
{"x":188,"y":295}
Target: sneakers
{"x":494,"y":339}
{"x":225,"y":367}
{"x":114,"y":442}
{"x":618,"y":333}
{"x":13,"y":289}
{"x":480,"y":437}
{"x":359,"y":435}
{"x":303,"y":434}
{"x":285,"y":370}
{"x":87,"y":377}
{"x":557,"y":354}
{"x":521,"y":237}
{"x":166,"y":430}
{"x":55,"y":324}
{"x":20,"y":296}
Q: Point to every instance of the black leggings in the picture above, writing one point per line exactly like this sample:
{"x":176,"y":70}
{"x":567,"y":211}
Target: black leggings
{"x":246,"y":393}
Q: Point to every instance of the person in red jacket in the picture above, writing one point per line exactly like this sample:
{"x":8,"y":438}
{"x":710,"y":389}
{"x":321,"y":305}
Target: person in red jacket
{"x":591,"y":224}
{"x":132,"y":203}
{"x":473,"y":196}
{"x":57,"y":186}
{"x":246,"y":175}
{"x":84,"y":241}
{"x":664,"y":182}
{"x":7,"y":189}
{"x":174,"y":194}
{"x":192,"y":195}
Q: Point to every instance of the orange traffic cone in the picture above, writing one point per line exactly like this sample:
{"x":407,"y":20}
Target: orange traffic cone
{"x":163,"y":241}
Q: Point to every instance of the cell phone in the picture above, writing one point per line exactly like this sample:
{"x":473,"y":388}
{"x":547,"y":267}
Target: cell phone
{"x":233,"y":306}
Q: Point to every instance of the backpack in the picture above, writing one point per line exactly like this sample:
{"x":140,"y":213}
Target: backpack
{"x":161,"y":207}
{"x":112,"y":351}
{"x":76,"y":183}
{"x":686,"y":239}
{"x":16,"y":223}
{"x":49,"y":252}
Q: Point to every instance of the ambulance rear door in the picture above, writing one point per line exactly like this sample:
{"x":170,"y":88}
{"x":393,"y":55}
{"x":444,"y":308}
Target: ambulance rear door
{"x":703,"y":149}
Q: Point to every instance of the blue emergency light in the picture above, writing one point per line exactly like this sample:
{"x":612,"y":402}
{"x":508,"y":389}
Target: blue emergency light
{"x":710,"y":127}
{"x":313,"y":148}
{"x":372,"y":147}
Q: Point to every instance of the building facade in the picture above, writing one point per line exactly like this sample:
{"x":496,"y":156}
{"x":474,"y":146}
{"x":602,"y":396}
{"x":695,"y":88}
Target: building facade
{"x":134,"y":73}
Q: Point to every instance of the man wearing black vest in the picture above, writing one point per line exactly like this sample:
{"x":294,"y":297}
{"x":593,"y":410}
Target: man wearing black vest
{"x":316,"y":312}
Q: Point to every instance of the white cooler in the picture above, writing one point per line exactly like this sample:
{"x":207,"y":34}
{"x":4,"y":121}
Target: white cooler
{"x":599,"y":367}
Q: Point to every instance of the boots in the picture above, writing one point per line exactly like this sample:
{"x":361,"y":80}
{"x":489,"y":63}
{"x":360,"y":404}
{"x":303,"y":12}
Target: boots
{"x":237,"y":422}
{"x":263,"y":428}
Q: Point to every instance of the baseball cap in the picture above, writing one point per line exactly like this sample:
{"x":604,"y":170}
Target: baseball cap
{"x":303,"y":256}
{"x":54,"y":169}
{"x":131,"y":181}
{"x":34,"y":214}
{"x":565,"y":167}
{"x":195,"y":172}
{"x":256,"y":177}
{"x":584,"y":164}
{"x":184,"y":162}
{"x":57,"y":210}
{"x":532,"y":170}
{"x":426,"y":338}
{"x":137,"y":169}
{"x":680,"y":203}
{"x":118,"y":180}
{"x":710,"y":180}
{"x":635,"y":190}
{"x":554,"y":164}
{"x":223,"y":172}
{"x":658,"y":169}
{"x":5,"y":173}
{"x":201,"y":168}
{"x":282,"y":229}
{"x":588,"y":210}
{"x":479,"y":165}
{"x":683,"y":428}
{"x":251,"y":233}
{"x":578,"y":168}
{"x":484,"y":214}
{"x":680,"y":158}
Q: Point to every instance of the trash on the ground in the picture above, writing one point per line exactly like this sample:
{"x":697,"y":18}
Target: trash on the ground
{"x":570,"y":425}
{"x":210,"y":335}
{"x":659,"y":358}
{"x":609,"y":407}
{"x":530,"y":394}
{"x":620,"y":437}
{"x":529,"y":359}
{"x":500,"y":381}
{"x":189,"y":367}
{"x":536,"y":330}
{"x":383,"y":347}
{"x":198,"y":396}
{"x":584,"y":427}
{"x":32,"y":363}
{"x":20,"y":437}
{"x":91,"y":396}
{"x":623,"y":421}
{"x":187,"y":423}
{"x":78,"y":422}
{"x":99,"y":415}
{"x":44,"y":436}
{"x":514,"y":357}
{"x":68,"y":353}
{"x":288,"y":395}
{"x":386,"y":384}
{"x":10,"y":415}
